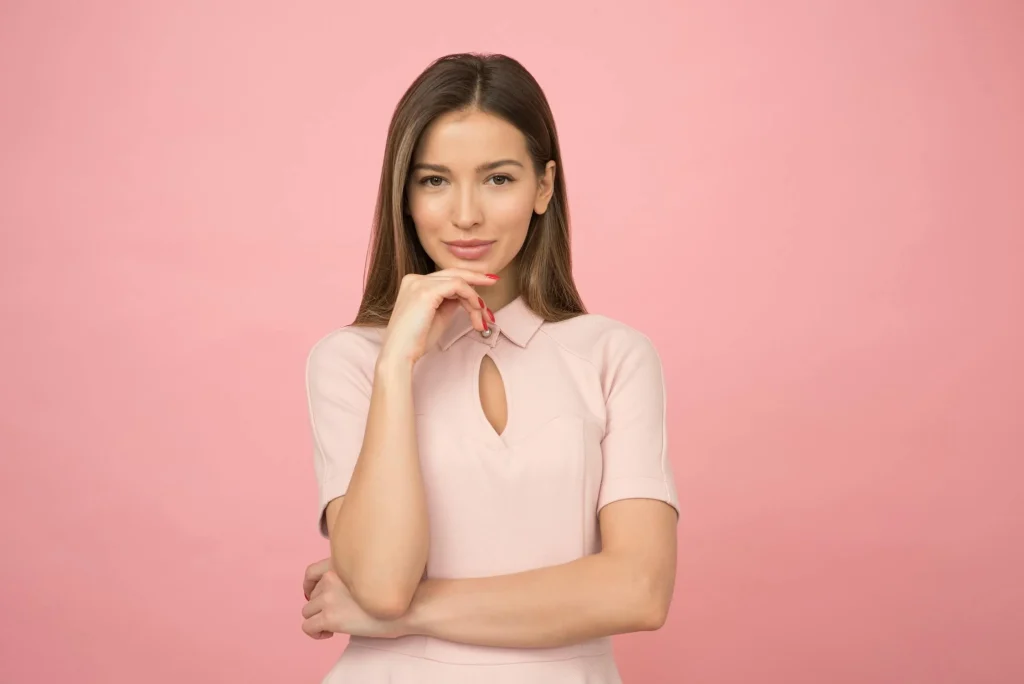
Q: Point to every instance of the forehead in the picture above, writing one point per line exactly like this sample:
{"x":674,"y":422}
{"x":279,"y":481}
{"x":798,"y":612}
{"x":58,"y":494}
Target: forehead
{"x":472,"y":137}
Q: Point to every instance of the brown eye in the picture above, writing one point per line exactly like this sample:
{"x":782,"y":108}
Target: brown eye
{"x":432,"y":181}
{"x":501,"y":180}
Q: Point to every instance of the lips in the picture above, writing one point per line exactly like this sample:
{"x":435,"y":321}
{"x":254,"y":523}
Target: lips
{"x":469,"y":243}
{"x":469,"y":250}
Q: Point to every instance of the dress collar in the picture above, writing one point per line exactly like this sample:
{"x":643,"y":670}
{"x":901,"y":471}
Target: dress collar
{"x":516,"y":321}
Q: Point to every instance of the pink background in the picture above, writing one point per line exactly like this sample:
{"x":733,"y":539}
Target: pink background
{"x":815,"y":209}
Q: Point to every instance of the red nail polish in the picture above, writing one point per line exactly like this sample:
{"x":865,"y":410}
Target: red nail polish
{"x":481,"y":300}
{"x":491,"y":275}
{"x":486,"y":328}
{"x":491,"y":314}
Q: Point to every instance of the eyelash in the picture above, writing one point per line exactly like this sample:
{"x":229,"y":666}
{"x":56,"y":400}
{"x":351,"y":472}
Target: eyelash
{"x":508,"y":179}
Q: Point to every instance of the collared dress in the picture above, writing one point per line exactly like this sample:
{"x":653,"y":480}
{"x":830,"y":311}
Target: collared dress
{"x":585,"y":427}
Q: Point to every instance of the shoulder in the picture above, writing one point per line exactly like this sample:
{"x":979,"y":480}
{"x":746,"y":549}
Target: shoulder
{"x":350,"y":341}
{"x":601,"y":340}
{"x":345,"y":356}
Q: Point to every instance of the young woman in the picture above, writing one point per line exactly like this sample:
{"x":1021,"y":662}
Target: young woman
{"x":491,"y":459}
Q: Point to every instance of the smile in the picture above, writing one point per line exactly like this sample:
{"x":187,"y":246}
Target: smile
{"x":469,"y":250}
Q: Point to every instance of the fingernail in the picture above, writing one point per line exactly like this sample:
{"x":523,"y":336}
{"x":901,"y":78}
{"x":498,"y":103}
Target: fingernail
{"x":491,"y":275}
{"x":491,"y":314}
{"x":481,"y":300}
{"x":486,"y":328}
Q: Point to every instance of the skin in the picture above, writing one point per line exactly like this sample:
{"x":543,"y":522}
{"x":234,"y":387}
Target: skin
{"x":472,"y":178}
{"x":460,"y":189}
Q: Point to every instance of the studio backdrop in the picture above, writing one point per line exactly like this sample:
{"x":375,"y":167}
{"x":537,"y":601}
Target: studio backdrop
{"x":814,"y":209}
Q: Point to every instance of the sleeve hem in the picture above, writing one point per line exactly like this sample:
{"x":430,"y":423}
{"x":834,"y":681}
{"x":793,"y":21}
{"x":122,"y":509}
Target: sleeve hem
{"x":329,"y":491}
{"x":637,"y":488}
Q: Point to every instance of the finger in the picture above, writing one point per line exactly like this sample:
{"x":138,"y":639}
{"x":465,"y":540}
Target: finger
{"x":314,"y":626}
{"x":313,"y":574}
{"x":456,"y":288}
{"x":317,"y":570}
{"x":479,"y":319}
{"x":312,"y":607}
{"x":323,"y":585}
{"x":458,"y":292}
{"x":469,"y":276}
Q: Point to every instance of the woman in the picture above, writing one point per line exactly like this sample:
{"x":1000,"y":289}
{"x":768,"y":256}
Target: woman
{"x":491,"y":459}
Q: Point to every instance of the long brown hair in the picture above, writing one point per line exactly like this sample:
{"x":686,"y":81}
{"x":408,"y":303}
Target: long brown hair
{"x":500,"y":86}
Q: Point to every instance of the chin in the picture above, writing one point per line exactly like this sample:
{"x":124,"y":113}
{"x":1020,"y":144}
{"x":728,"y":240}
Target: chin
{"x":475,"y":265}
{"x":478,"y":266}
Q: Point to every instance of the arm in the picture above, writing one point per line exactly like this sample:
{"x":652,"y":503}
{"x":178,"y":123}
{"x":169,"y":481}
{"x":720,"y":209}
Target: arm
{"x":361,"y":407}
{"x":627,"y":587}
{"x":379,"y":535}
{"x":373,"y":505}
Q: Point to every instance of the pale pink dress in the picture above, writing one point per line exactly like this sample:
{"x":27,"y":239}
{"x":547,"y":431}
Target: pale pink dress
{"x":586,"y":426}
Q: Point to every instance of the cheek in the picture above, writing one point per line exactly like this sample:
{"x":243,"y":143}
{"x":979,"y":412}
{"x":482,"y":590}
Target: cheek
{"x":511,"y":212}
{"x":429,"y":214}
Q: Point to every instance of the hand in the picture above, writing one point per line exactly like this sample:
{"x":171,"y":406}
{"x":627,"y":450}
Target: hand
{"x":312,"y":577}
{"x":313,"y":574}
{"x":331,"y":610}
{"x":425,"y":306}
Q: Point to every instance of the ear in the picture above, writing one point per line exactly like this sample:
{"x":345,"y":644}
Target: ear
{"x":545,"y":188}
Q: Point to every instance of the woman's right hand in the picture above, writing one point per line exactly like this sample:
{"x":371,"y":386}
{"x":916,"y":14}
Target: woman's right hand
{"x":426,"y":305}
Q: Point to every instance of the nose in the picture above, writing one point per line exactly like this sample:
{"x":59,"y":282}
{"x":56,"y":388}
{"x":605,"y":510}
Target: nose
{"x":467,"y":212}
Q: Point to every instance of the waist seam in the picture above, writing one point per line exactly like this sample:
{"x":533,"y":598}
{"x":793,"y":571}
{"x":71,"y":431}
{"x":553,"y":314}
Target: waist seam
{"x":509,"y":662}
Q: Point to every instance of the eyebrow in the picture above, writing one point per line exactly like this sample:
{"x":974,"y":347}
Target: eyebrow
{"x":490,"y":166}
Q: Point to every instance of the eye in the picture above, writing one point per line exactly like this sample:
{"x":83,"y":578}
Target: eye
{"x":432,"y":181}
{"x":501,"y":179}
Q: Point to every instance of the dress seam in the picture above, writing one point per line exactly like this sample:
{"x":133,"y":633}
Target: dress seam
{"x":448,"y":662}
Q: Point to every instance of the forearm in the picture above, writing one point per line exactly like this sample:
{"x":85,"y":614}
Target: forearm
{"x":595,"y":596}
{"x":379,"y":539}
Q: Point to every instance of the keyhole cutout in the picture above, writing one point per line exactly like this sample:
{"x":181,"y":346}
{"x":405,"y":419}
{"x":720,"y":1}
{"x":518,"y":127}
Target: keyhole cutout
{"x":492,"y":395}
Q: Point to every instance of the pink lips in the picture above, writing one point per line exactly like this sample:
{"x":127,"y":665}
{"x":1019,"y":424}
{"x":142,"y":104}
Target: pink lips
{"x":470,"y":250}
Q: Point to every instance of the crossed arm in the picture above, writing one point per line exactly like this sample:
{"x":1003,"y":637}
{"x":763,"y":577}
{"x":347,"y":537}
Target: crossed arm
{"x":379,"y":538}
{"x":626,"y":587}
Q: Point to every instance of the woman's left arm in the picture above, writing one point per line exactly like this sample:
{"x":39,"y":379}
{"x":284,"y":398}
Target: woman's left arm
{"x":626,"y":587}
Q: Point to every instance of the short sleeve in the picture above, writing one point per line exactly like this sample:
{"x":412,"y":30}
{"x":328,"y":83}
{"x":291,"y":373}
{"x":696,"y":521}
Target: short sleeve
{"x":635,"y":445}
{"x":339,"y":380}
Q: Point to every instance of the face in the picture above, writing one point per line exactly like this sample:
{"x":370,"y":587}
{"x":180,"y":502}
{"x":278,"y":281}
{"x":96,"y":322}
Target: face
{"x":473,"y":190}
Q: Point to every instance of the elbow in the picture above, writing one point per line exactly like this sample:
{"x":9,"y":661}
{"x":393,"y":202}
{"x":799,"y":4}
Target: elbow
{"x":383,"y":602}
{"x":654,"y":615}
{"x":381,"y":595}
{"x":652,"y":605}
{"x":385,"y":606}
{"x":644,"y":596}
